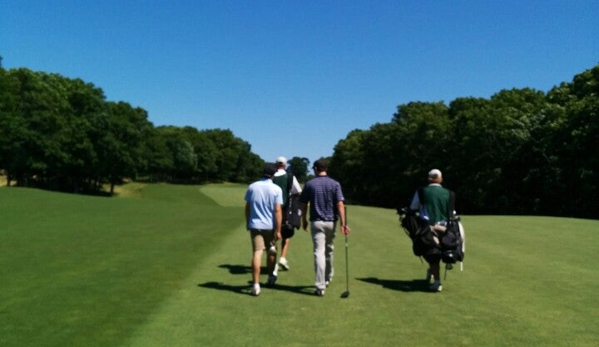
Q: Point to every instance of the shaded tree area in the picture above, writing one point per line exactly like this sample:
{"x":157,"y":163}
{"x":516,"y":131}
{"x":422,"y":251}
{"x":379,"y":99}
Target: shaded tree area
{"x":62,"y":134}
{"x":299,"y":168}
{"x":521,"y":151}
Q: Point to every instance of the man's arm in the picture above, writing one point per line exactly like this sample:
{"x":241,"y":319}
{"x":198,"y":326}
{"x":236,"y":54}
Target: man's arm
{"x":278,"y":219}
{"x":341,"y":213}
{"x":304,"y":208}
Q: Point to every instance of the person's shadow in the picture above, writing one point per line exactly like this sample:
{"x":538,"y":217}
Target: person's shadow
{"x":247,"y":289}
{"x":404,"y":286}
{"x":239,"y":269}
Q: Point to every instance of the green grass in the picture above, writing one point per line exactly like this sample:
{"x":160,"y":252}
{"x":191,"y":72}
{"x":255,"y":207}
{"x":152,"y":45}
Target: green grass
{"x":169,"y":266}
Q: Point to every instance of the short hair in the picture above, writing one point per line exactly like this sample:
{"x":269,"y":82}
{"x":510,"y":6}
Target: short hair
{"x":269,"y":170}
{"x":320,"y":165}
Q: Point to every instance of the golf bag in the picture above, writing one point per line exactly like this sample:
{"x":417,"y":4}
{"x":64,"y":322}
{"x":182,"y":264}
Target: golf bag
{"x":433,"y":243}
{"x":291,"y":211}
{"x":423,"y":239}
{"x":452,"y":242}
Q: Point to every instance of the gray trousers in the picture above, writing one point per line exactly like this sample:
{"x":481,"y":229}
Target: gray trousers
{"x":323,"y":235}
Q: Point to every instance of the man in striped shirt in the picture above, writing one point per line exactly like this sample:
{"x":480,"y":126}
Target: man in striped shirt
{"x":325,"y":198}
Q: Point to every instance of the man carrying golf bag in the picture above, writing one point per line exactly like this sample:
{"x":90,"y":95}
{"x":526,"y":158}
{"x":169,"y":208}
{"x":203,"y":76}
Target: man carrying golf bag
{"x":438,"y":235}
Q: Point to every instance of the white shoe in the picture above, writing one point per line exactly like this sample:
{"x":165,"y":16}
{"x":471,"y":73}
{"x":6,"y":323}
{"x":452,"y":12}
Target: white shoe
{"x":284,"y":263}
{"x":436,"y":286}
{"x":256,"y":290}
{"x":328,"y":282}
{"x":272,"y":250}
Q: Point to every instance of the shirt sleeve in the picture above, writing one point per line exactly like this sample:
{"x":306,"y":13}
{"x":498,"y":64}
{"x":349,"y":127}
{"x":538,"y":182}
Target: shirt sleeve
{"x":339,"y":193}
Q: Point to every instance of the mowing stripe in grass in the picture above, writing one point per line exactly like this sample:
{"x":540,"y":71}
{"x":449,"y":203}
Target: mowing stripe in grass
{"x":80,"y":270}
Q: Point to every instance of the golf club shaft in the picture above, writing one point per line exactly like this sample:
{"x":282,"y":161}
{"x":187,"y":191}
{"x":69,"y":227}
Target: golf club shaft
{"x":346,"y":255}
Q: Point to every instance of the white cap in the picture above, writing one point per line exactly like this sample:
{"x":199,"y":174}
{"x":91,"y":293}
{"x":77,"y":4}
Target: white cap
{"x":434,"y":173}
{"x":282,"y":160}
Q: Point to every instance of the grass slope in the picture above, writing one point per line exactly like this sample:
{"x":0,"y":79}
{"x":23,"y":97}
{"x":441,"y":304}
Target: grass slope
{"x":171,"y":267}
{"x":85,"y":271}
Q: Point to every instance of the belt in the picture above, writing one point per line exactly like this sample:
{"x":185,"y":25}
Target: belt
{"x":262,"y":230}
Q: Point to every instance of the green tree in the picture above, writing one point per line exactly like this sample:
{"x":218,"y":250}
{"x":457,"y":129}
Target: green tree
{"x":159,"y":158}
{"x":299,"y":168}
{"x":348,"y":165}
{"x":205,"y":151}
{"x":122,"y":142}
{"x":576,"y":145}
{"x":228,"y":160}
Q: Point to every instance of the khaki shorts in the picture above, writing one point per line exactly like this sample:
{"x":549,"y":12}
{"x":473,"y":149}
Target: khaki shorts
{"x":261,"y":238}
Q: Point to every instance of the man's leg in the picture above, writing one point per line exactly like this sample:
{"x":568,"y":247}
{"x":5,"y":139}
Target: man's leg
{"x":271,"y":261}
{"x":284,"y":246}
{"x":256,"y":264}
{"x":287,"y":232}
{"x":319,"y":242}
{"x":283,"y":259}
{"x":258,"y":247}
{"x":330,"y":237}
{"x":435,"y":270}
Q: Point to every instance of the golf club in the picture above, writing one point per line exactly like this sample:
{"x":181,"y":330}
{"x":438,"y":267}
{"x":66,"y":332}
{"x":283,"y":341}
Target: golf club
{"x":345,"y":294}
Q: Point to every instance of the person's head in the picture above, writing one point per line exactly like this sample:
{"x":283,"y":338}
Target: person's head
{"x":269,"y":170}
{"x":320,"y":166}
{"x":435,"y":176}
{"x":281,"y":162}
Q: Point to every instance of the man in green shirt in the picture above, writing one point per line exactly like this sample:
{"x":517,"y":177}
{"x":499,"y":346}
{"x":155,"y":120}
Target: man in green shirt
{"x":434,"y":209}
{"x":291,"y":189}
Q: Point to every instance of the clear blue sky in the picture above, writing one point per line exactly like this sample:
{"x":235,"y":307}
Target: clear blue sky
{"x":294,"y":77}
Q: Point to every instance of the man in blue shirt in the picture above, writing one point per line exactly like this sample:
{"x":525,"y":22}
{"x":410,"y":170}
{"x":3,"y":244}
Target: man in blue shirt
{"x":325,"y":198}
{"x":263,"y":219}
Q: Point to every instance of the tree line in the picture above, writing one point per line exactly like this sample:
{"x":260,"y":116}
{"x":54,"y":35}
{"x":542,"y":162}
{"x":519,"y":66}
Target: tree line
{"x":61,"y":133}
{"x":521,"y":151}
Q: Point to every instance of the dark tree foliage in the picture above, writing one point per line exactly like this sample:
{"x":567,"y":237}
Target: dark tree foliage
{"x":60,"y":133}
{"x":521,"y":151}
{"x":299,"y":168}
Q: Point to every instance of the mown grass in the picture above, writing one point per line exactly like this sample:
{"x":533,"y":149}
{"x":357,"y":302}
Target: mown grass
{"x":171,"y":268}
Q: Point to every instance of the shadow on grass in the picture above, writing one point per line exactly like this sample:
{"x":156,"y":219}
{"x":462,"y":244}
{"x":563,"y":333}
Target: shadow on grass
{"x":404,"y":286}
{"x":246,"y":289}
{"x":238,"y":269}
{"x":241,"y":269}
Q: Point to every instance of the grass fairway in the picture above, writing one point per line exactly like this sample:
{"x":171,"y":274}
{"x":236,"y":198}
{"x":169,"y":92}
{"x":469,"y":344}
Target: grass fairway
{"x":168,"y":265}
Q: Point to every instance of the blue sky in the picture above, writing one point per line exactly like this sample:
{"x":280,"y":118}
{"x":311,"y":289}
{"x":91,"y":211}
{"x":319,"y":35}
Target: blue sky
{"x":293,"y":78}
